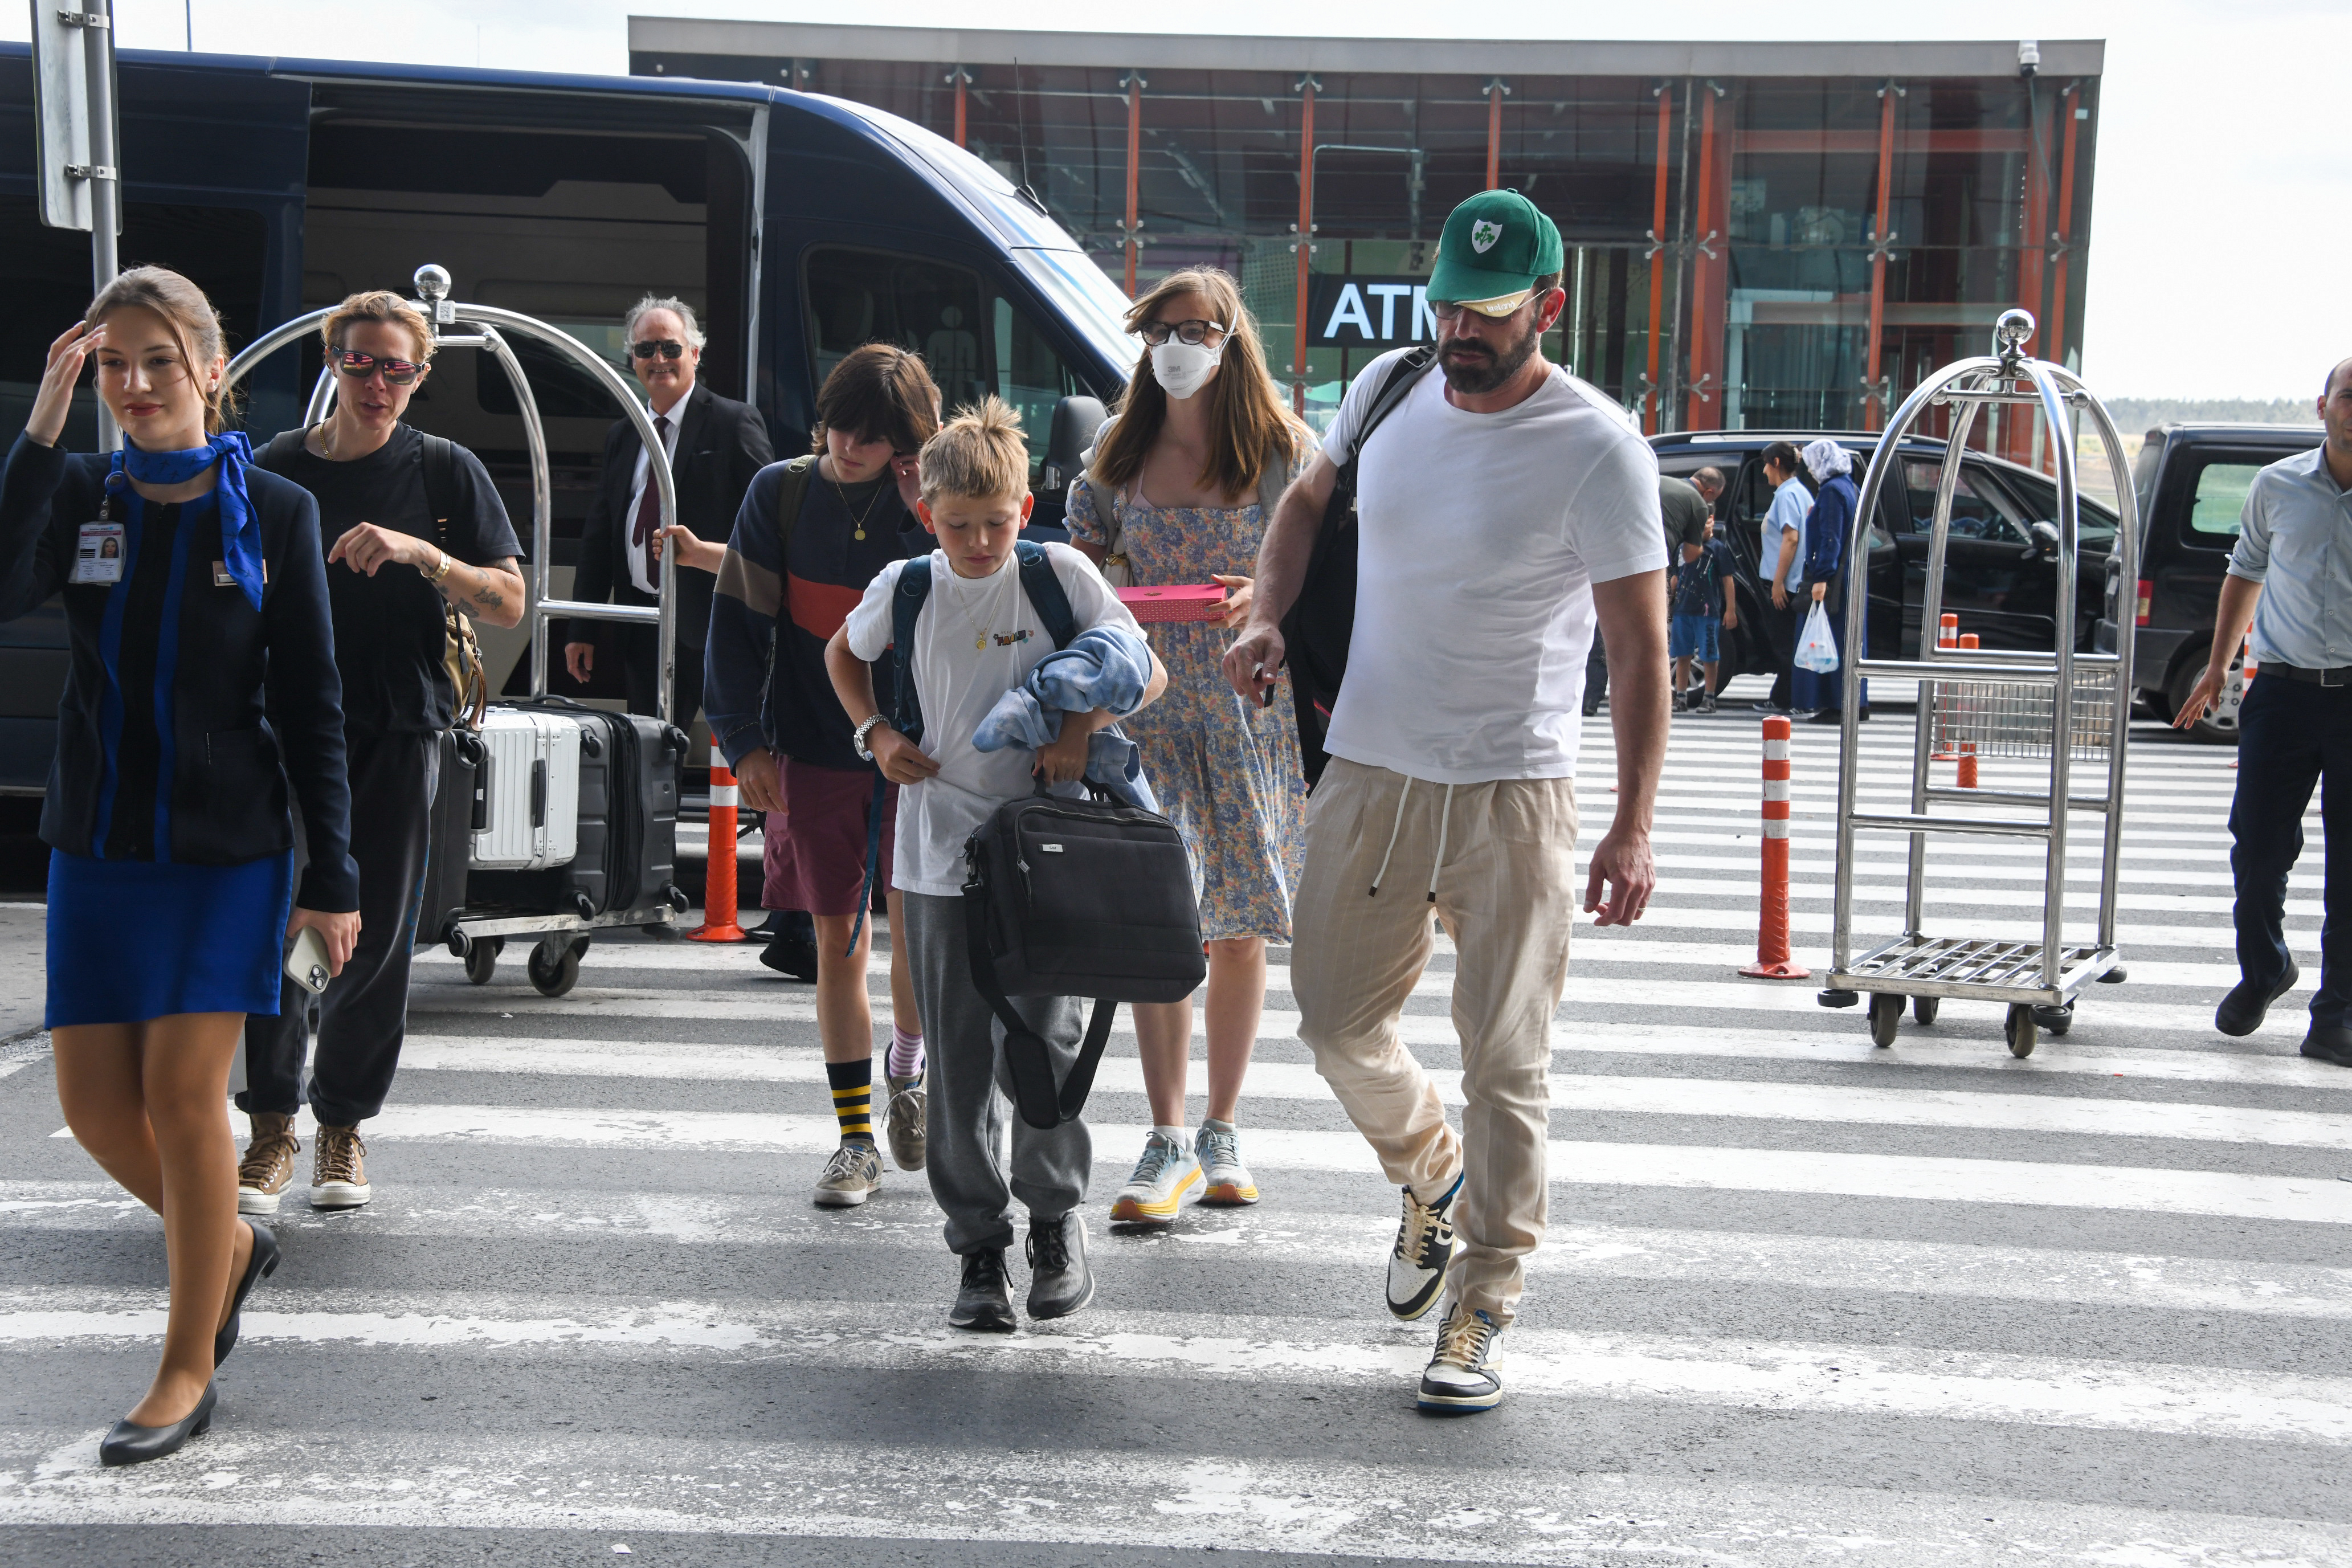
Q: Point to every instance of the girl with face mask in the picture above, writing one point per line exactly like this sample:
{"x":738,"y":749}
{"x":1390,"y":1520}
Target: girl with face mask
{"x":1179,"y":490}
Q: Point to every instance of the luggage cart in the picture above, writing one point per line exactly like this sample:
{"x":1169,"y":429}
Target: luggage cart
{"x":2064,"y":705}
{"x":478,"y":934}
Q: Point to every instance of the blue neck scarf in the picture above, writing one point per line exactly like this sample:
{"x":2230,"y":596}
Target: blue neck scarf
{"x":240,"y":528}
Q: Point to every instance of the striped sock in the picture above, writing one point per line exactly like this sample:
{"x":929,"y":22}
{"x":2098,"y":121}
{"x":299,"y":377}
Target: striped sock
{"x":853,"y":1098}
{"x":905,"y":1057}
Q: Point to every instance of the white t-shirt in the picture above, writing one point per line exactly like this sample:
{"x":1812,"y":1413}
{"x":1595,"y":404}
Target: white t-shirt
{"x":1481,"y":536}
{"x":957,"y":683}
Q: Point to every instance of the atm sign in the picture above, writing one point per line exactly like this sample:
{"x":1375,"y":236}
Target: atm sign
{"x":1361,"y":311}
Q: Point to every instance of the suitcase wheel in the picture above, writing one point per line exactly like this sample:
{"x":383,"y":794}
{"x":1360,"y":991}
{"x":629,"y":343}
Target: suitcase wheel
{"x":554,"y":965}
{"x":482,"y":958}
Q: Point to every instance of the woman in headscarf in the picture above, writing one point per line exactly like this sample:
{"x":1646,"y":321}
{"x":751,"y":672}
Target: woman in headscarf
{"x":201,"y":682}
{"x":1827,"y":526}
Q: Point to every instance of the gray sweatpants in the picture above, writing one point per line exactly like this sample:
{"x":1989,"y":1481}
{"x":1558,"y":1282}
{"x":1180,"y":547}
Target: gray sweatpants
{"x":968,"y":1113}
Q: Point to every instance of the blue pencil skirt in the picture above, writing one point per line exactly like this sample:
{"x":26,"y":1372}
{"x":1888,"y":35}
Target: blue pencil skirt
{"x":133,"y":939}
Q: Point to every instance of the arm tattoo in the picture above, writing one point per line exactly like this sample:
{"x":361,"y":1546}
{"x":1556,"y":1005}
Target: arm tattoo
{"x":489,"y":596}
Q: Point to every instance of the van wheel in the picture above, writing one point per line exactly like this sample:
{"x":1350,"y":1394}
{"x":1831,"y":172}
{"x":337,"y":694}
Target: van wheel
{"x":2219,"y":727}
{"x":552,"y":975}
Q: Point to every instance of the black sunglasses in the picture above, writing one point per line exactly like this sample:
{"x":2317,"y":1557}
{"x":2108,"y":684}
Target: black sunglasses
{"x":359,"y":366}
{"x":668,"y":348}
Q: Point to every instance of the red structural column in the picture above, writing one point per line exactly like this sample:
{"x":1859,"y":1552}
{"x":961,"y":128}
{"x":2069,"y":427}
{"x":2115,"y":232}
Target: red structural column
{"x":1306,"y":245}
{"x":1873,"y":407}
{"x":1703,"y":354}
{"x":1134,"y":85}
{"x":1773,"y":959}
{"x":718,"y":906}
{"x":963,"y":79}
{"x":2055,"y":339}
{"x":1495,"y":91}
{"x":1651,"y":405}
{"x":2017,"y":420}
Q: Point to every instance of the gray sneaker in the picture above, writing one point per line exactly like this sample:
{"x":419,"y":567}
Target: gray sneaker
{"x":1167,"y":1171}
{"x":1225,"y":1182}
{"x":906,"y":1116}
{"x":854,"y":1170}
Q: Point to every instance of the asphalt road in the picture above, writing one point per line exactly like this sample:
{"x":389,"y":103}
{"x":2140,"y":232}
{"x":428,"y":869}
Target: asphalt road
{"x":1804,"y":1301}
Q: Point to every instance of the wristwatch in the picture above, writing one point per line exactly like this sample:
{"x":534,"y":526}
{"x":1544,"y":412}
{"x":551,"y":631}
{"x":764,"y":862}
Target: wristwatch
{"x":858,"y":740}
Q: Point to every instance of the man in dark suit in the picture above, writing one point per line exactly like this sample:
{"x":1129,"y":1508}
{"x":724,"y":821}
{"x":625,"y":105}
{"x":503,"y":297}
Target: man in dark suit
{"x":716,"y":445}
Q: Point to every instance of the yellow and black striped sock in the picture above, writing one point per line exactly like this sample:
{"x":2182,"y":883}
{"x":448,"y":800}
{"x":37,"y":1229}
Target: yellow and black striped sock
{"x":853,"y":1098}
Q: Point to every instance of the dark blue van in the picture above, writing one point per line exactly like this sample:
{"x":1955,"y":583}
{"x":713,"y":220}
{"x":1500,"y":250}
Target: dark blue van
{"x":798,"y":227}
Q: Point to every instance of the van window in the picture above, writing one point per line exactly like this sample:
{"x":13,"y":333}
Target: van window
{"x":974,"y":340}
{"x":1976,"y":511}
{"x":2098,"y":525}
{"x":2222,"y":499}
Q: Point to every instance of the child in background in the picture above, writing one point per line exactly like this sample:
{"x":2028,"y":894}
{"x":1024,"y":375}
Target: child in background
{"x":977,"y":636}
{"x":1705,"y":596}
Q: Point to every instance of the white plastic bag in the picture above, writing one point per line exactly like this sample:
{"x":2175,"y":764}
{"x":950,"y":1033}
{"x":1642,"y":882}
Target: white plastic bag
{"x":1817,"y":650}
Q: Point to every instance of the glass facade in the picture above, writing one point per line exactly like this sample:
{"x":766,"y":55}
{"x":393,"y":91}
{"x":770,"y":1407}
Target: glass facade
{"x":1743,"y":251}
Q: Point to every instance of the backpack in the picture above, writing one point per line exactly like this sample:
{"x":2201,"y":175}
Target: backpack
{"x":461,"y":651}
{"x":1322,"y":619}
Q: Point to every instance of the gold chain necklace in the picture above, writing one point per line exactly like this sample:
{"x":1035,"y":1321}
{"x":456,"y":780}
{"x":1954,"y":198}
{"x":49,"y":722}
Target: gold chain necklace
{"x":858,"y":524}
{"x":979,"y":627}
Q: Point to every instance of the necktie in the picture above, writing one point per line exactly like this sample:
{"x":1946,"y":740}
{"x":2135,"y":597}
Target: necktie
{"x":649,"y":511}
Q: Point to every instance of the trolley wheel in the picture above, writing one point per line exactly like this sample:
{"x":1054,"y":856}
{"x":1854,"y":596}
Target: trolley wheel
{"x":1885,"y":1011}
{"x":555,"y":966}
{"x":2056,"y":1020}
{"x":2022,"y":1031}
{"x":482,"y":961}
{"x":1922,"y":1008}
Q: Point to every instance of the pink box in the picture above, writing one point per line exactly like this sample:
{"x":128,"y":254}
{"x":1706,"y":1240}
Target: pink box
{"x":1176,"y":602}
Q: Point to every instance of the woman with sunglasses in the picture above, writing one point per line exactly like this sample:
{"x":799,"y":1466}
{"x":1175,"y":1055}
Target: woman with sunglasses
{"x":1179,"y":490}
{"x":199,"y":681}
{"x":397,"y":552}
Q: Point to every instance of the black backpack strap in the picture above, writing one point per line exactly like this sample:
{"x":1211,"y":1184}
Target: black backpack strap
{"x":905,"y":608}
{"x":1047,"y":595}
{"x":1402,"y":375}
{"x":1026,"y":1057}
{"x":439,"y":456}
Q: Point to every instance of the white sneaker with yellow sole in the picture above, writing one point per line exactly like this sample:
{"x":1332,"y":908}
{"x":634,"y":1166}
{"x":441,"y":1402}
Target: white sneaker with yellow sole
{"x":1166,"y":1173}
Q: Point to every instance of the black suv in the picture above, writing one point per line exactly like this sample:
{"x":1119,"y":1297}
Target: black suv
{"x":2191,"y":481}
{"x":2001,"y":574}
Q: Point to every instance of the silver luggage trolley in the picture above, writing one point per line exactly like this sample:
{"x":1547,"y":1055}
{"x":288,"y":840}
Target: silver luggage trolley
{"x":478,"y":934}
{"x":2066,"y":706}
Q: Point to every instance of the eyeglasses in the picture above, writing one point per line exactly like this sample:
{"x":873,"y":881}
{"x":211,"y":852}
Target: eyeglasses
{"x":359,"y":366}
{"x":668,"y":348}
{"x":1155,"y":333}
{"x":1452,"y":310}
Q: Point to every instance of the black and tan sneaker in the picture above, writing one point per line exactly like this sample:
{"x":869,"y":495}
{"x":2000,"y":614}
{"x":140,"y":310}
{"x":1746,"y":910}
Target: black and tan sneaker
{"x":339,"y":1170}
{"x":1461,"y":1378}
{"x":268,"y":1168}
{"x":1424,"y":1245}
{"x":906,"y":1121}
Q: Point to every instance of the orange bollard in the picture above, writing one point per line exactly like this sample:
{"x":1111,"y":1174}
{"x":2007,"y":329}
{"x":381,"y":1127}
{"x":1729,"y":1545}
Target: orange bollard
{"x":1773,"y":960}
{"x":1948,"y":638}
{"x":1967,"y":779}
{"x":719,"y":910}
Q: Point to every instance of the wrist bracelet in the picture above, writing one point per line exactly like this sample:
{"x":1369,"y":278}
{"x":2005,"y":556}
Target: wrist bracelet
{"x":442,"y":571}
{"x":858,"y":740}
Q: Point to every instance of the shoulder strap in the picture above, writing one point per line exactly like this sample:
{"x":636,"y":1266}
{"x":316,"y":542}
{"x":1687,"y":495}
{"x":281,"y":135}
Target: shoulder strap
{"x":1028,"y":1059}
{"x":1402,"y":376}
{"x":439,"y":456}
{"x":791,"y":492}
{"x":1045,"y":592}
{"x":906,"y":608}
{"x":1275,"y":477}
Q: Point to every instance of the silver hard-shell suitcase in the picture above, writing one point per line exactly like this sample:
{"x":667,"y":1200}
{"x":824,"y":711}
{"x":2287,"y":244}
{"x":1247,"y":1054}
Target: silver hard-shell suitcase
{"x":531,"y":789}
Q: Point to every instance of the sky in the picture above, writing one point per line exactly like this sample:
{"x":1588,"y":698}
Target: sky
{"x":2215,"y":115}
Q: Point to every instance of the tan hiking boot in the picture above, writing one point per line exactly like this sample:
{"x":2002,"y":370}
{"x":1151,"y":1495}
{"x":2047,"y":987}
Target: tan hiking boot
{"x":338,"y":1171}
{"x":268,"y":1168}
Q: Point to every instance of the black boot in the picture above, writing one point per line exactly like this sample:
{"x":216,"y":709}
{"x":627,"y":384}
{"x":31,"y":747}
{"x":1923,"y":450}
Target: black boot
{"x":981,"y":1304}
{"x":2242,"y":1011}
{"x":1059,"y":1280}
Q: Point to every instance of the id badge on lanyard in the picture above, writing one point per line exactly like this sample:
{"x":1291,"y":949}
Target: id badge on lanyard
{"x":99,"y":549}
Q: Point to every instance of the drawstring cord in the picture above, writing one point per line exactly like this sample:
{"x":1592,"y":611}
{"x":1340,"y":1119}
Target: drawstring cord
{"x":1395,"y":830}
{"x":1445,"y":818}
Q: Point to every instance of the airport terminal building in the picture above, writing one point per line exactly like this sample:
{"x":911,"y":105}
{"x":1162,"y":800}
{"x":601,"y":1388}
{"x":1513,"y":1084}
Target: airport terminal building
{"x":1760,"y":235}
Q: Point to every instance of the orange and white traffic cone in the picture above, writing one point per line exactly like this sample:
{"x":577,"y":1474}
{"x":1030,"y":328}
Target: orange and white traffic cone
{"x":1773,"y":959}
{"x":718,"y":912}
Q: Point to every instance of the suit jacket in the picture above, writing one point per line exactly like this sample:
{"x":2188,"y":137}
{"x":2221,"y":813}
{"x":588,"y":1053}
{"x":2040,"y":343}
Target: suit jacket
{"x":721,"y":445}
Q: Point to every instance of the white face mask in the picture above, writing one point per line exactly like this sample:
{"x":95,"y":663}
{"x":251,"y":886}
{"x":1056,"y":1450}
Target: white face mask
{"x":1181,"y":369}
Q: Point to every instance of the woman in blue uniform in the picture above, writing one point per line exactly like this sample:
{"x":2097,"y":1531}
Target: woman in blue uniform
{"x":202,"y":678}
{"x":1826,"y":527}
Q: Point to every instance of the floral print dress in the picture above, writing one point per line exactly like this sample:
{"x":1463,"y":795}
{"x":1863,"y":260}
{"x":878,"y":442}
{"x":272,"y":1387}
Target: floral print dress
{"x":1226,"y":771}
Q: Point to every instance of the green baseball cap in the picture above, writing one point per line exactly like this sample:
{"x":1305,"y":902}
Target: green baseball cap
{"x":1495,"y":246}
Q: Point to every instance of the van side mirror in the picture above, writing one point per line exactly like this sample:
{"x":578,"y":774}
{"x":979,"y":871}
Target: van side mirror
{"x":1075,"y":420}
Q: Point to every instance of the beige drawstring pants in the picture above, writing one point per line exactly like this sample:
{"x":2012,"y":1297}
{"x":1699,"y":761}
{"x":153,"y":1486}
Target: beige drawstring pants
{"x":1496,"y":862}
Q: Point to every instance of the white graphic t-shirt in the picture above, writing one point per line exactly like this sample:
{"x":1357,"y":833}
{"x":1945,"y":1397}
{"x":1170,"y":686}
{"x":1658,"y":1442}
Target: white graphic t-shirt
{"x":976,"y":639}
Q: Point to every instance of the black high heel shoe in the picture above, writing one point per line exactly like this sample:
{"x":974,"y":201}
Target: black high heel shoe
{"x":259,"y":1266}
{"x":129,"y":1444}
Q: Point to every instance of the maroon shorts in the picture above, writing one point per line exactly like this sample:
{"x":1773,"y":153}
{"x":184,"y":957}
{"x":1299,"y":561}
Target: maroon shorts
{"x":815,"y":857}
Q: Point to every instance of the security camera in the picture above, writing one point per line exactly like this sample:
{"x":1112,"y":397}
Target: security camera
{"x":2029,"y":57}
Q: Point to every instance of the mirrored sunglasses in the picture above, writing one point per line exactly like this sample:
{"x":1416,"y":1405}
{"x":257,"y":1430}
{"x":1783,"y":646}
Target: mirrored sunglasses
{"x":668,"y":348}
{"x":359,"y":366}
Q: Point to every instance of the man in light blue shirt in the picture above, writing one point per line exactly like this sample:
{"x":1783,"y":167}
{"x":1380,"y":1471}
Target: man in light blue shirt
{"x":2291,"y":577}
{"x":1781,"y":564}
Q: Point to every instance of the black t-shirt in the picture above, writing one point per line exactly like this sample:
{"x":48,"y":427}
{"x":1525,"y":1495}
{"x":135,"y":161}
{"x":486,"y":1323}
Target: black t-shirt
{"x":389,"y":637}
